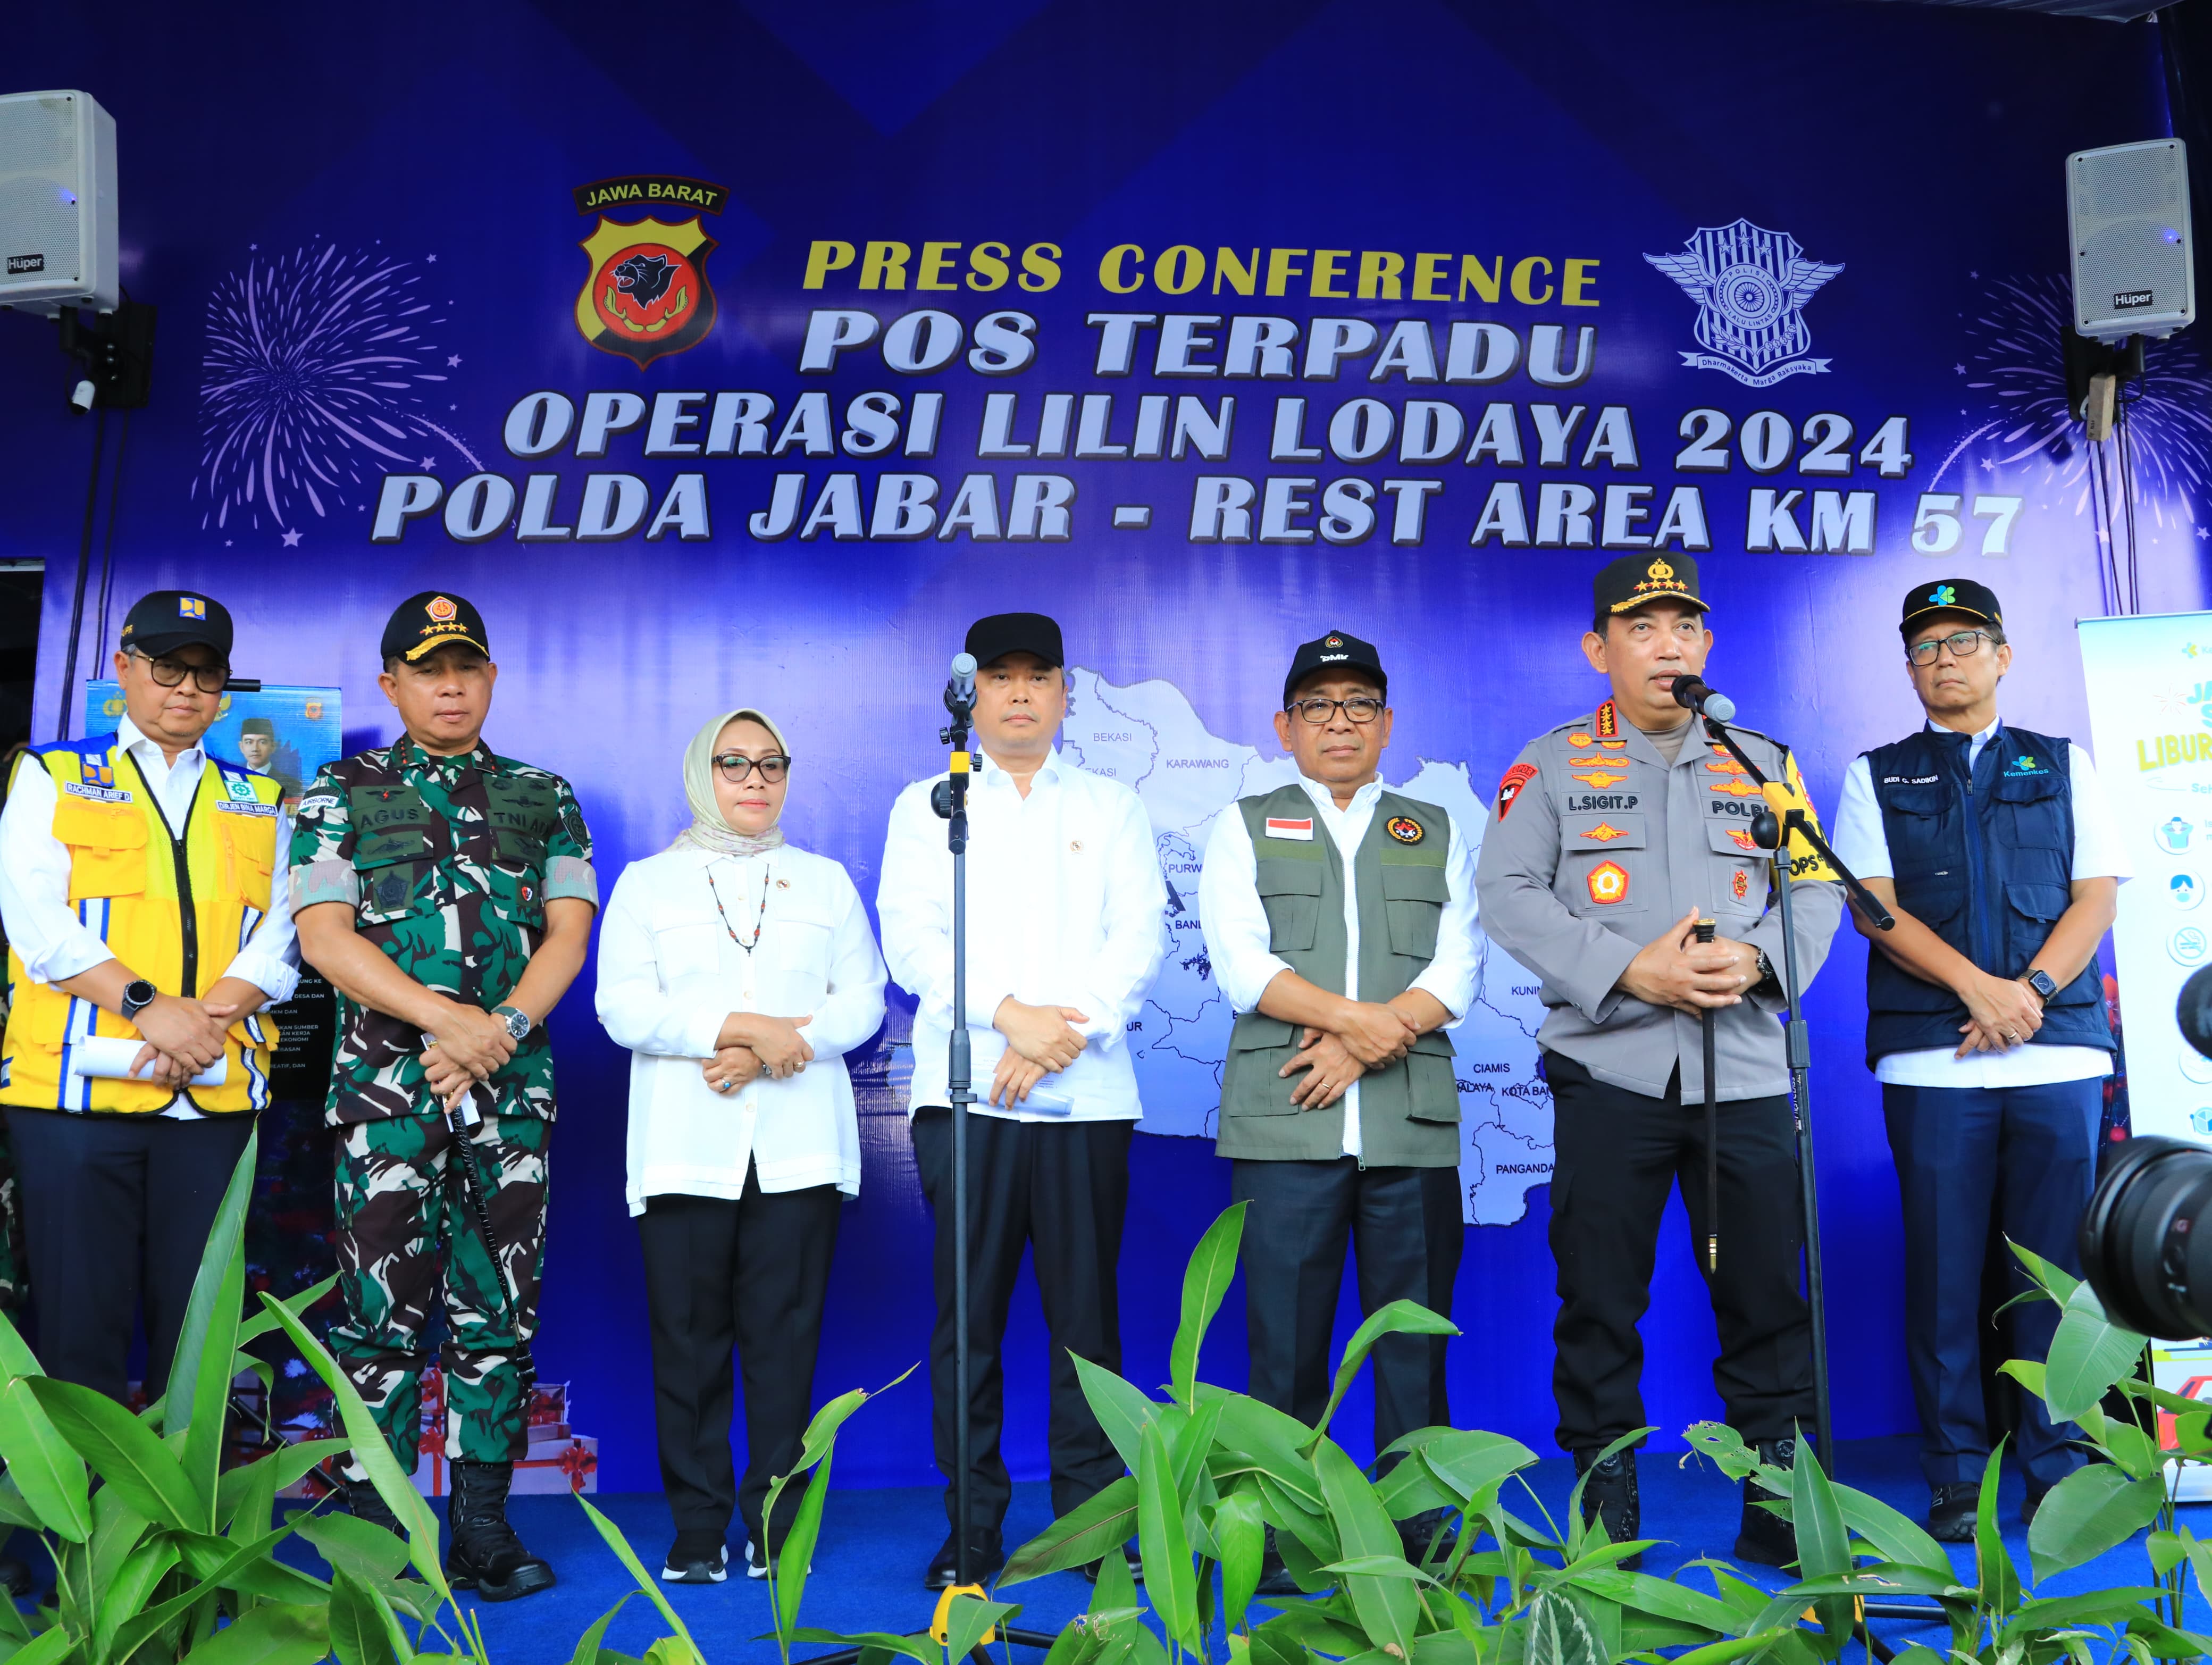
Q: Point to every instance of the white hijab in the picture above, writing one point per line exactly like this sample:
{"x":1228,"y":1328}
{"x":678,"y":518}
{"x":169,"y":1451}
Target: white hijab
{"x":709,"y":830}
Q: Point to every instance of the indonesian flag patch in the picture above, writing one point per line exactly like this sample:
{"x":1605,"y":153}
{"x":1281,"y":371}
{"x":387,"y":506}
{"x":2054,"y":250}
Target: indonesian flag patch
{"x":1282,"y":827}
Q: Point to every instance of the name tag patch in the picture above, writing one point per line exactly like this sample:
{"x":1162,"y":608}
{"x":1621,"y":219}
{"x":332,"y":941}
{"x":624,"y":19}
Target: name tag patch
{"x":247,"y":809}
{"x":1283,"y":827}
{"x":98,"y":794}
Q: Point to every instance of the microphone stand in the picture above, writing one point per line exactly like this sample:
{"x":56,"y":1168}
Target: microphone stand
{"x":1784,"y":818}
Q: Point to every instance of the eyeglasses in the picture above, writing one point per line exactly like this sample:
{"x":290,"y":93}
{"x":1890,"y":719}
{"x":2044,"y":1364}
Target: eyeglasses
{"x":1360,"y":708}
{"x":737,"y":768}
{"x":171,"y":673}
{"x":1962,"y":644}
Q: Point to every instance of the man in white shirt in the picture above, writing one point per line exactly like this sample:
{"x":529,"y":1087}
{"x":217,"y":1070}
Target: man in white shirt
{"x":1066,"y":910}
{"x":1340,"y":922}
{"x":144,"y":886}
{"x":1985,"y":1017}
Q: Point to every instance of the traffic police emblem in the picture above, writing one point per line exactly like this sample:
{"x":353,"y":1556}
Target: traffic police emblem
{"x":1751,"y":287}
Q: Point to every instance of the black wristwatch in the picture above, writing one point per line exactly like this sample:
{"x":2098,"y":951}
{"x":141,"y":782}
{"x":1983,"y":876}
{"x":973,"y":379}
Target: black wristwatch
{"x":2040,"y":981}
{"x":1765,"y":969}
{"x":518,"y":1022}
{"x":137,"y":995}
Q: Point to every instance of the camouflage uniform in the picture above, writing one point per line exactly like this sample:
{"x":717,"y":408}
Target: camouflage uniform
{"x":448,"y":863}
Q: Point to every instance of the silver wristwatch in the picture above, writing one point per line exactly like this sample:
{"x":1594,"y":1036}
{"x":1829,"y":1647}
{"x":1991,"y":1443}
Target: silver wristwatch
{"x":518,"y":1022}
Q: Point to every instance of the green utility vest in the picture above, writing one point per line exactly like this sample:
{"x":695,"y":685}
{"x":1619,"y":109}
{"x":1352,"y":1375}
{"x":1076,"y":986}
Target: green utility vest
{"x":1409,"y":1112}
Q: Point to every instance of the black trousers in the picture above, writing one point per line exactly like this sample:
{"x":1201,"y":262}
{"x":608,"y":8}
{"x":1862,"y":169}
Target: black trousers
{"x":751,"y":1275}
{"x":1060,"y":1189}
{"x":1619,"y":1154}
{"x":1404,"y":1225}
{"x":117,"y":1210}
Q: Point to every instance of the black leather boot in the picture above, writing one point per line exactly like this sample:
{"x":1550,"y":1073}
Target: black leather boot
{"x":1609,"y":1495}
{"x":486,"y":1556}
{"x":1764,"y":1536}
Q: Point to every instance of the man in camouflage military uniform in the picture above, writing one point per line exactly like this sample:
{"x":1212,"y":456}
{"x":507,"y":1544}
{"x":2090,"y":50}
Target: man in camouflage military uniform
{"x":1611,"y":837}
{"x":451,"y":894}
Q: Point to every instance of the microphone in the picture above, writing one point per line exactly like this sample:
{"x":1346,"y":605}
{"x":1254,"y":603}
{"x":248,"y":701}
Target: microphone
{"x":1691,"y":694}
{"x":960,"y":688}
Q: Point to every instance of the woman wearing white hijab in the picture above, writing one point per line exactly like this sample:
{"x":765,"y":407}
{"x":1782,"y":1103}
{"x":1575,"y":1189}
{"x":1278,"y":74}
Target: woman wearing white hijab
{"x":739,"y":970}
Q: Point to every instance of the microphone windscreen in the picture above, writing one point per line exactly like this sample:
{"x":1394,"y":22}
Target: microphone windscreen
{"x":2193,"y":1010}
{"x":1720,"y":708}
{"x":963,"y":664}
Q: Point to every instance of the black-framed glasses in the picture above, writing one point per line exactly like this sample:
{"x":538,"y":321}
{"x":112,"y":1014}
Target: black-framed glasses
{"x":736,"y":768}
{"x":1360,"y":708}
{"x":1962,"y":644}
{"x":171,"y":672}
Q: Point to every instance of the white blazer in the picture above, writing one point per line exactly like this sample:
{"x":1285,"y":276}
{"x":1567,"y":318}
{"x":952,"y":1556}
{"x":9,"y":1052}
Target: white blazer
{"x":670,"y":974}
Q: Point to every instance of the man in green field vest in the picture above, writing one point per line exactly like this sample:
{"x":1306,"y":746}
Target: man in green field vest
{"x":1339,"y":921}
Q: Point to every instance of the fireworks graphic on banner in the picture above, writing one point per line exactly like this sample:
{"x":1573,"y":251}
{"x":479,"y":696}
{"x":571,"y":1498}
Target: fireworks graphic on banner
{"x":2015,"y":362}
{"x":319,"y":377}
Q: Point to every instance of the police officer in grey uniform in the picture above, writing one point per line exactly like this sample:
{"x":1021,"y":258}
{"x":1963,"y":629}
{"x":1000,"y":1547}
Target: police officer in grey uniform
{"x":1611,"y":837}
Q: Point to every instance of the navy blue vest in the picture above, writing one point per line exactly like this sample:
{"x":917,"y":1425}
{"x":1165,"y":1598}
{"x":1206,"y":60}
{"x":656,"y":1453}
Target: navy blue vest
{"x":1985,"y":864}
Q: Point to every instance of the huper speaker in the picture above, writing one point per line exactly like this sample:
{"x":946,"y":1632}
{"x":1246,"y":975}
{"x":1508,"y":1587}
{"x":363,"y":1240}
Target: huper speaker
{"x":2127,"y":220}
{"x":57,"y":241}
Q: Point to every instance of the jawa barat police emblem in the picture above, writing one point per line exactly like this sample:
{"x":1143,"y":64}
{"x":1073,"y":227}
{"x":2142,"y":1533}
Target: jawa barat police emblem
{"x":1751,"y":287}
{"x":647,"y":294}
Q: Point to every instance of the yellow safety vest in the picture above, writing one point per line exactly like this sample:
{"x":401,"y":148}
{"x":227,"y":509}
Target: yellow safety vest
{"x":174,"y":911}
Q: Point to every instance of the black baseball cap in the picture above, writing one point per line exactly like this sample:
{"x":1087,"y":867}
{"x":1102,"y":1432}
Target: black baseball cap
{"x":1335,"y":651}
{"x":1002,"y":633}
{"x":1634,"y":580}
{"x":424,"y":623}
{"x":1950,"y":595}
{"x":169,"y":619}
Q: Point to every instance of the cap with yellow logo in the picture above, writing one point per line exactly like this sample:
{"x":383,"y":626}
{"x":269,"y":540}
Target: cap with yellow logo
{"x":434,"y":619}
{"x":1625,"y":585}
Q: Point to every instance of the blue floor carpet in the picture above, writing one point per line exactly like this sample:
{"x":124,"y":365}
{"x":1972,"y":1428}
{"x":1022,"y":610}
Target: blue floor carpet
{"x":875,"y":1544}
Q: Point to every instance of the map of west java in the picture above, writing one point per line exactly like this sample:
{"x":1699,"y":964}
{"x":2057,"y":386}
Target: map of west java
{"x":1148,"y":736}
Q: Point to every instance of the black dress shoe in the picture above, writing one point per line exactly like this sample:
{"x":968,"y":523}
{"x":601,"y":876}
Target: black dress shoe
{"x":1609,"y":1495}
{"x":1951,"y":1512}
{"x":1130,"y":1552}
{"x":1274,"y":1577}
{"x":985,"y":1558}
{"x":15,"y":1577}
{"x":1762,"y":1535}
{"x":1417,"y":1533}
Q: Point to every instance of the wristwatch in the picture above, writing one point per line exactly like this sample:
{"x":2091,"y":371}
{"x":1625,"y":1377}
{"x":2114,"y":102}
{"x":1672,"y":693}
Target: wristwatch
{"x":518,"y":1022}
{"x":1765,"y":969}
{"x":2041,"y":981}
{"x":137,"y":995}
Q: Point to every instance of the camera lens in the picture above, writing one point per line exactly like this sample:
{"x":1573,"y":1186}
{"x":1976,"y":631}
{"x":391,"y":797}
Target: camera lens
{"x":2140,"y":1246}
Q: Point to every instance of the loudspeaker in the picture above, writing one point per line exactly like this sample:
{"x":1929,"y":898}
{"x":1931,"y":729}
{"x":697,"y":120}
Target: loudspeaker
{"x":57,"y":241}
{"x":2127,"y":220}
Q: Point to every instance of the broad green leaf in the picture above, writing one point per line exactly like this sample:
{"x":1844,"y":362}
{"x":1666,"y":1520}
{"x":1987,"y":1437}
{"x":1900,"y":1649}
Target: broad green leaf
{"x":1079,"y":1537}
{"x":1205,"y":1281}
{"x":1724,"y":1446}
{"x":967,"y":1619}
{"x":1561,"y":1632}
{"x":1116,"y":1587}
{"x":1388,"y":1609}
{"x":2090,"y":1511}
{"x":1241,"y":1536}
{"x":1994,"y":1570}
{"x":51,"y":1647}
{"x":587,"y":1645}
{"x":797,"y":1554}
{"x":17,"y":1357}
{"x":1468,"y":1461}
{"x":1894,"y":1535}
{"x":201,"y":1372}
{"x":219,"y":1575}
{"x":284,"y":1468}
{"x":1399,"y":1318}
{"x":1664,"y":1598}
{"x":362,"y":1548}
{"x":358,"y":1635}
{"x":920,"y":1648}
{"x":297,"y":1304}
{"x":1824,"y":1547}
{"x":2087,"y":1355}
{"x":262,"y":1576}
{"x":2104,"y":1606}
{"x":672,"y":1651}
{"x":125,"y":1591}
{"x":1170,"y":1581}
{"x":1298,"y":1524}
{"x":43,"y":1466}
{"x":1411,"y":1488}
{"x":370,"y":1450}
{"x":1189,"y":1443}
{"x":1121,"y":1407}
{"x":1273,"y":1444}
{"x":2056,"y":1282}
{"x":125,"y":1454}
{"x":281,"y":1633}
{"x":249,"y":1510}
{"x":14,"y":1509}
{"x":611,"y":1535}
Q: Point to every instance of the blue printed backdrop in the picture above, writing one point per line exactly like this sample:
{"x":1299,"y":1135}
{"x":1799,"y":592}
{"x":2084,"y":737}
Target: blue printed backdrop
{"x":364,"y":246}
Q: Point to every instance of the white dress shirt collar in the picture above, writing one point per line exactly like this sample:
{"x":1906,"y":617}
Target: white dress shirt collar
{"x":988,"y":769}
{"x":1325,"y":795}
{"x":1974,"y":746}
{"x":128,"y":736}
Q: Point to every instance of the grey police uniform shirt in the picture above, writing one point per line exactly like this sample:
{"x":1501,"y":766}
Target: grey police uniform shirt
{"x":1595,"y":846}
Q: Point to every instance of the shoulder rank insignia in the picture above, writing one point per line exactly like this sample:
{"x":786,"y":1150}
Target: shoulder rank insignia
{"x":1608,"y":722}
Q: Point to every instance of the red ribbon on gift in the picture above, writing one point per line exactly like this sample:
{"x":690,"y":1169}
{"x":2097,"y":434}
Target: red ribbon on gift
{"x":577,"y":1462}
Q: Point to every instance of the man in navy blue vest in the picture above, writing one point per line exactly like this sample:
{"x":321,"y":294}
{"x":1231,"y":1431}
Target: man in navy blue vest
{"x":1985,"y":1017}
